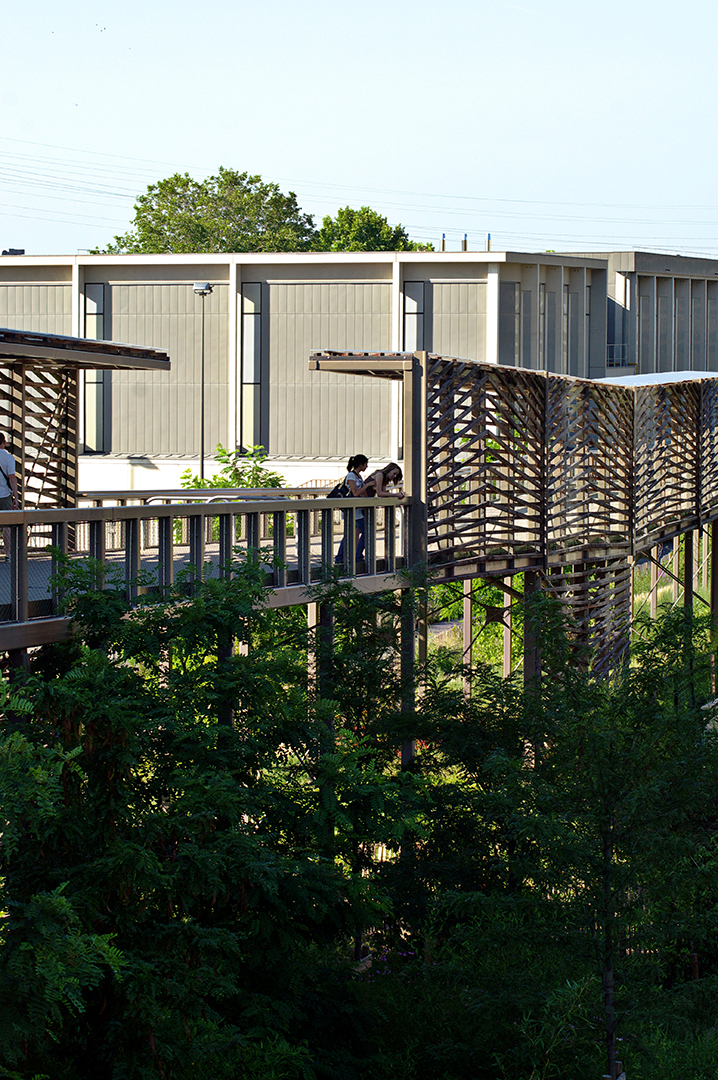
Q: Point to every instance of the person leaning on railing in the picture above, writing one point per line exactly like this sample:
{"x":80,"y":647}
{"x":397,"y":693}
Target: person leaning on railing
{"x":391,"y":474}
{"x":376,"y":485}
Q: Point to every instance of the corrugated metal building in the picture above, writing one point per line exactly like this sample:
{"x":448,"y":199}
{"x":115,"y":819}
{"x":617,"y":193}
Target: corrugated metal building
{"x":268,"y":311}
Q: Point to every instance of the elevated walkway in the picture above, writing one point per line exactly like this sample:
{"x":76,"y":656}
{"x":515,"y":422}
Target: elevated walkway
{"x":508,"y":471}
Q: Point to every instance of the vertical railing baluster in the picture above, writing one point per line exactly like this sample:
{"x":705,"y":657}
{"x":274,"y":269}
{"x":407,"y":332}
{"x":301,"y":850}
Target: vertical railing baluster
{"x":252,"y":532}
{"x":327,"y":538}
{"x":97,"y":550}
{"x":389,"y":539}
{"x":304,"y":549}
{"x":132,"y":558}
{"x":280,"y":548}
{"x":59,"y":545}
{"x":226,"y":544}
{"x":350,"y":542}
{"x":165,"y":553}
{"x":18,"y":573}
{"x":196,"y":545}
{"x":369,"y":539}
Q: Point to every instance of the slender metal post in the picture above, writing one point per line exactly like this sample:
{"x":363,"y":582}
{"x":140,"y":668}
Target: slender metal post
{"x":532,"y":655}
{"x":468,"y":632}
{"x":714,"y":596}
{"x":201,"y":398}
{"x":507,"y":631}
{"x":415,"y":454}
{"x":688,"y":570}
{"x":714,"y":573}
{"x":203,"y":289}
{"x":653,"y":603}
{"x":320,"y":654}
{"x":408,"y":672}
{"x":326,"y":651}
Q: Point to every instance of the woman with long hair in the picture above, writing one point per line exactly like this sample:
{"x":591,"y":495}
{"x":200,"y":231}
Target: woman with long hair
{"x":356,"y":465}
{"x":377,"y":484}
{"x":378,"y":481}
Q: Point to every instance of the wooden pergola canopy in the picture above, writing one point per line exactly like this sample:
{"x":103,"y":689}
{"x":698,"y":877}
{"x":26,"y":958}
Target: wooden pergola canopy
{"x":378,"y":365}
{"x":39,"y":404}
{"x":58,"y":350}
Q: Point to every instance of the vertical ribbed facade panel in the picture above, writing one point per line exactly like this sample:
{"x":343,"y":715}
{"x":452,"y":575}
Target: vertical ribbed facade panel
{"x":152,"y":414}
{"x":44,"y":308}
{"x":335,"y":415}
{"x":459,"y":319}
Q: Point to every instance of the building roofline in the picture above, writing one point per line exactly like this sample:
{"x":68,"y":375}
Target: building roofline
{"x":279,"y":258}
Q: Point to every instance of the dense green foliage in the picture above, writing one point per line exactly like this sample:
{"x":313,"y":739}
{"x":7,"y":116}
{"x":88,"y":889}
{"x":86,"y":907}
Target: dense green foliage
{"x":363,"y":230}
{"x":231,"y":211}
{"x":234,"y":211}
{"x":239,"y":470}
{"x":212,"y":864}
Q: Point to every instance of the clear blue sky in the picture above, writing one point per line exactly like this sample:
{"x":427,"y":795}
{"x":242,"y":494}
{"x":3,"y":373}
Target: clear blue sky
{"x":547,"y":124}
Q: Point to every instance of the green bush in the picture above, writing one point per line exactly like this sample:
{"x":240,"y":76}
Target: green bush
{"x":213,"y":865}
{"x":240,"y":469}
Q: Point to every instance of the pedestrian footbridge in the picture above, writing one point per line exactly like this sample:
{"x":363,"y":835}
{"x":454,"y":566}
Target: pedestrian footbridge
{"x":565,"y":482}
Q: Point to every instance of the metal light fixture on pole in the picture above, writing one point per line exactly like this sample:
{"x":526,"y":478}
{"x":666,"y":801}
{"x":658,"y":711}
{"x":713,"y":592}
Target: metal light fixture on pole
{"x":203,"y":289}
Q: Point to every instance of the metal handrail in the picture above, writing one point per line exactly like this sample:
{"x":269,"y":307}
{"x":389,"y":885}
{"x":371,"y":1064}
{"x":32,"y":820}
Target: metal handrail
{"x":200,"y":494}
{"x":300,"y":536}
{"x":41,"y":514}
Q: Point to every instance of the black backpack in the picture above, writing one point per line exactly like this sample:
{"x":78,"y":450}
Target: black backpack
{"x":341,"y":491}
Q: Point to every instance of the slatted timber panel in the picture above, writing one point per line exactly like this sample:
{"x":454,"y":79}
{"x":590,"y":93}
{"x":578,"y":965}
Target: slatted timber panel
{"x":530,"y":463}
{"x":597,"y":596}
{"x":589,"y":467}
{"x":38,"y":414}
{"x":484,"y":464}
{"x":666,"y":460}
{"x":708,"y":472}
{"x":534,"y":470}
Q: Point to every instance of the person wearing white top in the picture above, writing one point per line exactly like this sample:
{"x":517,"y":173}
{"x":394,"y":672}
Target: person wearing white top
{"x":353,"y":480}
{"x":8,"y":488}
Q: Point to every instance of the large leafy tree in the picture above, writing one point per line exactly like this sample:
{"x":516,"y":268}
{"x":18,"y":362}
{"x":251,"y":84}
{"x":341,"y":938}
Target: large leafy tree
{"x":196,"y":842}
{"x":231,"y":211}
{"x":185,"y":858}
{"x":364,"y":230}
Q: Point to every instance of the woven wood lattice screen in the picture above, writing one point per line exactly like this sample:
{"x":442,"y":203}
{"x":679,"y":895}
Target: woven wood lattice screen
{"x":533,"y":471}
{"x":538,"y":468}
{"x":38,"y":414}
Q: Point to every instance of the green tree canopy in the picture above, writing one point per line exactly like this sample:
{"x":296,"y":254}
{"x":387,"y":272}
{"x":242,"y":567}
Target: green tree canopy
{"x":231,"y":211}
{"x":364,"y":230}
